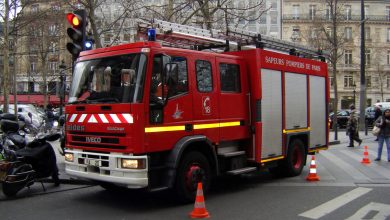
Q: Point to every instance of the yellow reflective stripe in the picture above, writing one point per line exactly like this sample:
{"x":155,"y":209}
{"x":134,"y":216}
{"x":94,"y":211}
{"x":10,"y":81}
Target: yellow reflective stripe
{"x":272,"y":159}
{"x":162,"y":129}
{"x":217,"y":125}
{"x":229,"y":124}
{"x":296,"y":130}
{"x":204,"y":126}
{"x":196,"y":127}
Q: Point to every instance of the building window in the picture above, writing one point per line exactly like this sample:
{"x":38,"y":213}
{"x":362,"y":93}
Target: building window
{"x":312,"y":11}
{"x":55,"y":8}
{"x":53,"y":66}
{"x":33,"y":66}
{"x":53,"y":30}
{"x":313,"y":33}
{"x":367,"y":33}
{"x":366,"y":11}
{"x":388,"y":12}
{"x":331,"y":79}
{"x":388,"y":82}
{"x":230,"y":77}
{"x":329,"y":31}
{"x":368,"y":81}
{"x":328,"y":14}
{"x":204,"y":77}
{"x":296,"y":34}
{"x":367,"y":59}
{"x":348,"y":12}
{"x":348,"y":33}
{"x":35,"y":8}
{"x":388,"y":35}
{"x":296,"y":11}
{"x":388,"y":57}
{"x":348,"y":81}
{"x":348,"y":57}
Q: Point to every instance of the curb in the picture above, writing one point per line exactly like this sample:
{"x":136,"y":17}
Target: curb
{"x":334,"y":142}
{"x":69,"y":181}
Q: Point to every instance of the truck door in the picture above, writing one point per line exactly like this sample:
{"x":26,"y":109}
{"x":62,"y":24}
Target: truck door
{"x":206,"y":109}
{"x":168,"y":123}
{"x":234,"y":99}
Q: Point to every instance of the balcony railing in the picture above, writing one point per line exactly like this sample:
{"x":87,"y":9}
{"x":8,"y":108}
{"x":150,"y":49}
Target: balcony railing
{"x":304,"y":17}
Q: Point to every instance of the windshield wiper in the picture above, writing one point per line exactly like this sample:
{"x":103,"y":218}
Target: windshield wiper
{"x":107,"y":99}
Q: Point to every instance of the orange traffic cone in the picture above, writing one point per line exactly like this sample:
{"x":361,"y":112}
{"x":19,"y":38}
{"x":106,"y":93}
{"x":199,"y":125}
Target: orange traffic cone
{"x":313,"y":171}
{"x":199,"y":207}
{"x":365,"y":160}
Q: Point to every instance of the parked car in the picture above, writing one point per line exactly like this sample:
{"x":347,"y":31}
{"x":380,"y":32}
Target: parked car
{"x":370,"y":115}
{"x":342,"y":118}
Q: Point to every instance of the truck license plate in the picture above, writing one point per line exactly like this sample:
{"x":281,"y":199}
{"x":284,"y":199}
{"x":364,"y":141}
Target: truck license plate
{"x":94,"y":162}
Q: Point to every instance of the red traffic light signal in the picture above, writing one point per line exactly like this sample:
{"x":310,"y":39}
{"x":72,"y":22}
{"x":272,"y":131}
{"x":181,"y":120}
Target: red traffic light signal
{"x":73,"y":19}
{"x":77,"y":33}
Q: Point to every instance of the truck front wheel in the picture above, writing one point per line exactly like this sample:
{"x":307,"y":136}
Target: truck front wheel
{"x":295,"y":158}
{"x":193,"y":168}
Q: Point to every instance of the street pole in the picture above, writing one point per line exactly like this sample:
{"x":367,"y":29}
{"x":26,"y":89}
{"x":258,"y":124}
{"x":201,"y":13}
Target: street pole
{"x":62,"y":92}
{"x":362,"y":69}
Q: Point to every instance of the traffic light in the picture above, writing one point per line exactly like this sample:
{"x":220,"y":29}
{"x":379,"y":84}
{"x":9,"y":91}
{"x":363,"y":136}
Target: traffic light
{"x":78,"y":20}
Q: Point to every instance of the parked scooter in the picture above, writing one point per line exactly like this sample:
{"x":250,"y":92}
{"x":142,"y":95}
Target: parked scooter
{"x":22,"y":165}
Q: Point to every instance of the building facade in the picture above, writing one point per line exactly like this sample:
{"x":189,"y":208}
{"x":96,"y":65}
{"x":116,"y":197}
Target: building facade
{"x":304,"y":21}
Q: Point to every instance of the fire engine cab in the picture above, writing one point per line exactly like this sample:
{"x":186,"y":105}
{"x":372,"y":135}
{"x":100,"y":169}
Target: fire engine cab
{"x":190,"y":106}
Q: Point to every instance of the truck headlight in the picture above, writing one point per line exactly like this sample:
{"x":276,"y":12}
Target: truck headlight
{"x":133,"y":163}
{"x":69,"y":157}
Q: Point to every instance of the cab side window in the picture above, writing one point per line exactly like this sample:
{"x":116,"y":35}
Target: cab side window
{"x":204,"y":77}
{"x":230,"y":77}
{"x":182,"y":84}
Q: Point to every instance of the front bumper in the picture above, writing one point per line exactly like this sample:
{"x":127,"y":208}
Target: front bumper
{"x":106,"y":168}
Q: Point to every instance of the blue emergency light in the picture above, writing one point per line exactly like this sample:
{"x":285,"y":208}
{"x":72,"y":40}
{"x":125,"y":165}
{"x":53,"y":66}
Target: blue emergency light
{"x":88,"y":45}
{"x":151,"y":34}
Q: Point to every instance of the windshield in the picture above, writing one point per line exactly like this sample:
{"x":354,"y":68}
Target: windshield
{"x":117,"y":79}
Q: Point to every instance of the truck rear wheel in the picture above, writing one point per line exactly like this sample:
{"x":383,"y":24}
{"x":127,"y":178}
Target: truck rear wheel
{"x":193,"y":168}
{"x":295,"y":158}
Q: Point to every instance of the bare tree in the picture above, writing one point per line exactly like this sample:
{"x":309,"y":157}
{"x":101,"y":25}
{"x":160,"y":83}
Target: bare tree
{"x":329,"y":35}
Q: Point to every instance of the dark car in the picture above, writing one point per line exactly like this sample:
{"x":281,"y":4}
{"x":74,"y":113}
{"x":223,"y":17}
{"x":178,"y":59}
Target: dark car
{"x":342,"y":118}
{"x":370,"y":115}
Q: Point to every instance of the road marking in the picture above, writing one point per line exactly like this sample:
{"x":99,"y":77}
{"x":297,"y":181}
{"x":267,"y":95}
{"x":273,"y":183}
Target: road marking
{"x":335,"y":203}
{"x":381,"y":211}
{"x":348,"y":168}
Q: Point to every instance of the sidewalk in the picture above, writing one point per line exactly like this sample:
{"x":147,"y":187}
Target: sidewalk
{"x":343,"y":138}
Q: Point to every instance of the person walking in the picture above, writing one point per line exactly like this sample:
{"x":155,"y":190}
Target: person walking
{"x":352,"y":127}
{"x":378,"y":113}
{"x":384,"y":135}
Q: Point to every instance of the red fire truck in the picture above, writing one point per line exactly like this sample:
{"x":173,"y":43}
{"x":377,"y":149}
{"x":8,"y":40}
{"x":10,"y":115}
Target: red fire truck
{"x":144,"y":115}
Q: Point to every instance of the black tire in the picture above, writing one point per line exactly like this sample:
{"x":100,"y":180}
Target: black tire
{"x":296,"y":158}
{"x":10,"y":189}
{"x":193,"y":167}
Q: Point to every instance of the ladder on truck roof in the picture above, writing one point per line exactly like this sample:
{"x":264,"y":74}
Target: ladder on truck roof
{"x":185,"y":36}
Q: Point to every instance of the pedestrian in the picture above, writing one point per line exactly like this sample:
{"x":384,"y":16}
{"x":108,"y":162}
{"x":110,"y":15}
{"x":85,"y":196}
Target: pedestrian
{"x":49,"y":117}
{"x":378,"y":113}
{"x":383,"y":123}
{"x":352,"y":127}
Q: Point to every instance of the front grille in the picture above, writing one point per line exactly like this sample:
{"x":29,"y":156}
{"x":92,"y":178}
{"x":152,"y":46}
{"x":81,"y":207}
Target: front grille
{"x":118,"y":147}
{"x":97,"y":140}
{"x":103,"y":140}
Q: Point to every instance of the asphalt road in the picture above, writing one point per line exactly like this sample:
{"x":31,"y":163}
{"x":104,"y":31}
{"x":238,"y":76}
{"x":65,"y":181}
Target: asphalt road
{"x":347,"y":190}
